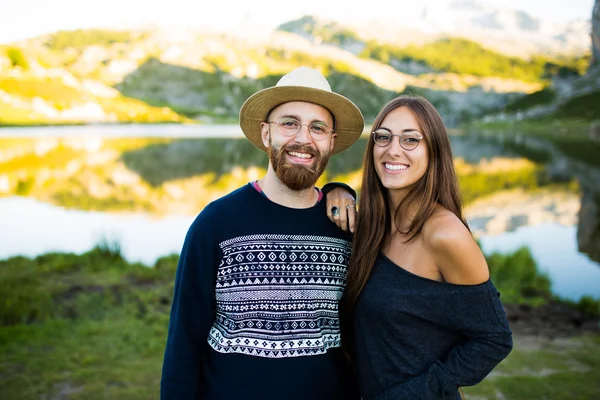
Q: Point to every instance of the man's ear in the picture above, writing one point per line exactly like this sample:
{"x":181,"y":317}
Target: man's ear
{"x":264,"y":133}
{"x":332,"y":142}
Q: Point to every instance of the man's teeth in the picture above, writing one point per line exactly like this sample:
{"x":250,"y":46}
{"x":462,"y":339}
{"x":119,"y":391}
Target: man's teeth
{"x":299,"y":155}
{"x":395,"y":167}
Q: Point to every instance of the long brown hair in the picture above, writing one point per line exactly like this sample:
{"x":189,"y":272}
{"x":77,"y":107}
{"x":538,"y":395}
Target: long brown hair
{"x":438,"y":186}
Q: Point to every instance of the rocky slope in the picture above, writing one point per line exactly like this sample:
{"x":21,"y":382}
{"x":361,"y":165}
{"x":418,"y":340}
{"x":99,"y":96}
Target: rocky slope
{"x":596,"y":33}
{"x":157,"y":75}
{"x":85,"y":77}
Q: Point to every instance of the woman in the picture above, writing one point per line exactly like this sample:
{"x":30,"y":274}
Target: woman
{"x":422,"y":317}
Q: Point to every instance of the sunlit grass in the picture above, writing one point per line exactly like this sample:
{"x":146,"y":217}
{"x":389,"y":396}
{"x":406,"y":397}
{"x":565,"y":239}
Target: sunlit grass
{"x":11,"y":115}
{"x":60,"y":96}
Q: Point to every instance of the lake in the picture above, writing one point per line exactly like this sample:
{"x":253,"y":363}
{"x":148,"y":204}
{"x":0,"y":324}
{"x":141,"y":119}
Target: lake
{"x":67,"y":188}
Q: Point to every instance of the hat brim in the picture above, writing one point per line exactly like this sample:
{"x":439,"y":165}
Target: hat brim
{"x":349,"y":121}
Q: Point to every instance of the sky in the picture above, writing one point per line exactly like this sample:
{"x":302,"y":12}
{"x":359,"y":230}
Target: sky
{"x":27,"y":18}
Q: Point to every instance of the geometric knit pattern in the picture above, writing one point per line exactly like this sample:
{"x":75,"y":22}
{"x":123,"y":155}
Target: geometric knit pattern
{"x":277,"y":295}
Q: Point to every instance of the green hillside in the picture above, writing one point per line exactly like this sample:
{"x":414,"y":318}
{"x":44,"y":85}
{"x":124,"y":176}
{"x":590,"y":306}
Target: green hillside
{"x":464,"y":56}
{"x":105,"y":76}
{"x":542,"y":97}
{"x":82,"y":38}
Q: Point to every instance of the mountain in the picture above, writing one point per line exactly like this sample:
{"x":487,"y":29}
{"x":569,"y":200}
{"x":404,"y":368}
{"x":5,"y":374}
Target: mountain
{"x":509,"y":31}
{"x":576,"y":97}
{"x":155,"y":74}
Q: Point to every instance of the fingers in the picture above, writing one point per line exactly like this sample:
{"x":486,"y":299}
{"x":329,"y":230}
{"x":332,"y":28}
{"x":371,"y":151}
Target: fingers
{"x":346,"y":220}
{"x":333,"y":213}
{"x":351,"y":211}
{"x":343,"y":225}
{"x":330,"y":207}
{"x":341,"y":209}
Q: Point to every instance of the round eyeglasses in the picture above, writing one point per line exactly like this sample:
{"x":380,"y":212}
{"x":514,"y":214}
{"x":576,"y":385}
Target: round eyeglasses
{"x":291,"y":126}
{"x":408,"y":140}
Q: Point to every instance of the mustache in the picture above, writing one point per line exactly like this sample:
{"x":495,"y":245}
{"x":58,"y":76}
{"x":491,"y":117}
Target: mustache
{"x":302,"y":148}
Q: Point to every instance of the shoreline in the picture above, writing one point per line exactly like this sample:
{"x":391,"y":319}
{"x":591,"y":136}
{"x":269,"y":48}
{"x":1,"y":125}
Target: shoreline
{"x":553,"y":320}
{"x":61,"y":280}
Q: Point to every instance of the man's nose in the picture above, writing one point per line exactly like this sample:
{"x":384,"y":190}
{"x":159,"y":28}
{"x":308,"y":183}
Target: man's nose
{"x":303,"y":135}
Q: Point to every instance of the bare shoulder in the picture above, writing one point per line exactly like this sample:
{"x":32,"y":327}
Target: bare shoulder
{"x":443,"y":225}
{"x":454,"y":249}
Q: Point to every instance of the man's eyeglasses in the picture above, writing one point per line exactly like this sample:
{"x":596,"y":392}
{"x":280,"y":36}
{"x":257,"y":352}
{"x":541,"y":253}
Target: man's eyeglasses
{"x":408,"y":140}
{"x":291,"y":126}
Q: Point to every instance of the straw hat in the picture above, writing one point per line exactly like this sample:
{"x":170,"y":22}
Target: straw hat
{"x":302,"y":84}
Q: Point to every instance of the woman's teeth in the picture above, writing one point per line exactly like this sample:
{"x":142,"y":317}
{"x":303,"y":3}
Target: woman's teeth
{"x":395,"y":167}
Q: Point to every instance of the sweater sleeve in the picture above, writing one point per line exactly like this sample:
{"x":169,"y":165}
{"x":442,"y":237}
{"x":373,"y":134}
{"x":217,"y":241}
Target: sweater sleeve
{"x":477,"y":313}
{"x":334,"y":185}
{"x":192,"y":313}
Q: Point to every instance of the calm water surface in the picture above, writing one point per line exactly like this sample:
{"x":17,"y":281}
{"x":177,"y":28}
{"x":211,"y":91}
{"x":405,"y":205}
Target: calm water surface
{"x":31,"y":227}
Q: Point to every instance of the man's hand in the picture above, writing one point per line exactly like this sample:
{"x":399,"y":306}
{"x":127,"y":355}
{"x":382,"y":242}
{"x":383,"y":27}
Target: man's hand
{"x":341,"y":209}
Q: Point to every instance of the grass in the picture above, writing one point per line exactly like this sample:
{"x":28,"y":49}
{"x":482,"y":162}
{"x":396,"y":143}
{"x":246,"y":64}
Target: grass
{"x":89,"y":325}
{"x":116,"y":358}
{"x":554,"y":370}
{"x":93,"y":326}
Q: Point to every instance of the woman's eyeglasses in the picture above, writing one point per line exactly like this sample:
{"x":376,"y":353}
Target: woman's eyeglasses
{"x":408,"y":140}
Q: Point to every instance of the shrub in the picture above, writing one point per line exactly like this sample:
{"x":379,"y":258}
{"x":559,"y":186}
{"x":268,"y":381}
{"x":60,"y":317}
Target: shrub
{"x":517,"y":276}
{"x":17,"y":58}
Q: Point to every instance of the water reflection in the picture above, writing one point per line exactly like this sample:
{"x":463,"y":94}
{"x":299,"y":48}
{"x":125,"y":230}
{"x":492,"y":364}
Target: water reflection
{"x":565,"y":156}
{"x":30,"y":227}
{"x":554,"y":248}
{"x":159,"y":177}
{"x":185,"y":158}
{"x":145,"y":238}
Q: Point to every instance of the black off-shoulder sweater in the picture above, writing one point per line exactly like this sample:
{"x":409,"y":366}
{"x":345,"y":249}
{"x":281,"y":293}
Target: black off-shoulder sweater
{"x":417,"y":338}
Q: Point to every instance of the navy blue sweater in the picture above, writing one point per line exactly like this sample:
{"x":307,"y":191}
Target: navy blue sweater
{"x":417,"y":338}
{"x":255,"y":308}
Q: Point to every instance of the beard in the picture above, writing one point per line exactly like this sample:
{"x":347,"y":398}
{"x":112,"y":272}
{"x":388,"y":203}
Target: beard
{"x":297,"y":176}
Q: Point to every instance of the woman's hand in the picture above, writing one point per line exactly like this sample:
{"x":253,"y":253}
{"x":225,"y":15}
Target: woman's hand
{"x":341,"y":209}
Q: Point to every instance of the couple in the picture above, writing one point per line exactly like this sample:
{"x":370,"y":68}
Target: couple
{"x":258,"y":293}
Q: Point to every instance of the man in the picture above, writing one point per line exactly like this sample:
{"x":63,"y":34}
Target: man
{"x":261,"y":272}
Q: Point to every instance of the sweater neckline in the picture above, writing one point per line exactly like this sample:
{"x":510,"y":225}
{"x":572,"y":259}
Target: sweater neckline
{"x":251,"y":188}
{"x":257,"y":187}
{"x":389,"y":262}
